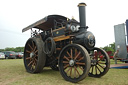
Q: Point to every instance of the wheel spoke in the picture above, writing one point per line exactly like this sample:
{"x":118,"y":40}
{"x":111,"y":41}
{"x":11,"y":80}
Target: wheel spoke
{"x":28,"y":51}
{"x":100,"y":66}
{"x":96,"y":69}
{"x":66,"y":66}
{"x":101,"y":62}
{"x":30,"y":63}
{"x":80,"y":63}
{"x":71,"y":71}
{"x":65,"y":62}
{"x":34,"y":62}
{"x":35,"y":59}
{"x":77,"y":70}
{"x":75,"y":52}
{"x":34,"y":48}
{"x":81,"y":58}
{"x":28,"y":58}
{"x":36,"y":51}
{"x":31,"y":67}
{"x":33,"y":44}
{"x":92,"y":69}
{"x":81,"y":68}
{"x":77,"y":55}
{"x":74,"y":72}
{"x":69,"y":55}
{"x":35,"y":55}
{"x":66,"y":58}
{"x":30,"y":47}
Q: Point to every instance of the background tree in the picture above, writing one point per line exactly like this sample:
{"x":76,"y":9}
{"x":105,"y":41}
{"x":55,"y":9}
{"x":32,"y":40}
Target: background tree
{"x":110,"y":47}
{"x":17,"y":49}
{"x":1,"y":50}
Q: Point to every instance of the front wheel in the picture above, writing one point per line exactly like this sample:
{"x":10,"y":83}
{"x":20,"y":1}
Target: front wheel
{"x":100,"y":62}
{"x":74,"y":63}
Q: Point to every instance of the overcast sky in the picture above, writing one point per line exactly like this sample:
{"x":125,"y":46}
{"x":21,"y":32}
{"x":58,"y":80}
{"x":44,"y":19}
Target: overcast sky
{"x":101,"y":16}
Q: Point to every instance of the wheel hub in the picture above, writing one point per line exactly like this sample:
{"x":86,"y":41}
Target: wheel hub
{"x":94,"y":62}
{"x":31,"y":54}
{"x":71,"y":62}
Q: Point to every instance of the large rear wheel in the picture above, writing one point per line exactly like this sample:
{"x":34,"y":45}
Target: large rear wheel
{"x":74,"y":63}
{"x":100,"y":62}
{"x":34,"y":58}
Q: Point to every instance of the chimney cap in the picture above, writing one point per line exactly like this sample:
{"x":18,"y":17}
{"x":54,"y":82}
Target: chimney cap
{"x":82,"y":4}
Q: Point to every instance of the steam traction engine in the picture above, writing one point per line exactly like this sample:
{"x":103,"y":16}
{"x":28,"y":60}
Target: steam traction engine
{"x":65,"y":45}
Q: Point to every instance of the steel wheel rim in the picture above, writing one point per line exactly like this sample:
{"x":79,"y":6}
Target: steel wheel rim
{"x":31,"y":56}
{"x":99,"y":63}
{"x":73,"y":64}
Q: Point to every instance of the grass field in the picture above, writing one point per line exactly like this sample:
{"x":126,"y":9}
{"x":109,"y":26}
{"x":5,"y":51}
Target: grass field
{"x":12,"y":72}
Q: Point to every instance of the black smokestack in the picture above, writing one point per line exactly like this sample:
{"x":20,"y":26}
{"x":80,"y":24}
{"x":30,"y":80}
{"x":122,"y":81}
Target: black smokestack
{"x":82,"y":15}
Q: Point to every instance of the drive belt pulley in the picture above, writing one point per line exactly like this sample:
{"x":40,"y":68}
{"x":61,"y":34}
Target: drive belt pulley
{"x":49,"y":46}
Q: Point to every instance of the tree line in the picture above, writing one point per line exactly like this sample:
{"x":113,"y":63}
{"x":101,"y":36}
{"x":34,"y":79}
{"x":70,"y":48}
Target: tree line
{"x":17,"y":49}
{"x":110,"y":47}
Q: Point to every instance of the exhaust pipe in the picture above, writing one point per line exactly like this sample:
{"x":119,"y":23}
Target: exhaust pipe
{"x":82,"y":16}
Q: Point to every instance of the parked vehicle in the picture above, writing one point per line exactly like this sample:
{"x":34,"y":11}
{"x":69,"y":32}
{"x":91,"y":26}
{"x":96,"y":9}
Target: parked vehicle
{"x":19,"y":55}
{"x":2,"y":55}
{"x":10,"y":54}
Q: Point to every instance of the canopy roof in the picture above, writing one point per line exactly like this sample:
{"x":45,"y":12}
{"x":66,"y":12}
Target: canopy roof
{"x":46,"y":23}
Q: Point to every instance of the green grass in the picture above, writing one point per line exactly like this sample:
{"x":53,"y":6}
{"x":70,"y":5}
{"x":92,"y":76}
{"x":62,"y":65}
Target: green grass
{"x":113,"y":61}
{"x":12,"y":72}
